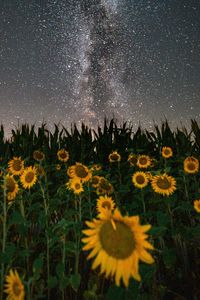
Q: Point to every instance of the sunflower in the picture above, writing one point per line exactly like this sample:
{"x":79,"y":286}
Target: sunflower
{"x":197,"y":205}
{"x":105,"y":202}
{"x":104,"y":187}
{"x":75,"y":185}
{"x":114,"y":157}
{"x":63,"y":155}
{"x":29,"y":177}
{"x":95,"y":181}
{"x":140,"y":179}
{"x":149,"y":175}
{"x":163,"y":184}
{"x":11,"y":187}
{"x":143,"y":161}
{"x":191,"y":165}
{"x":118,"y":243}
{"x":80,"y":171}
{"x":16,"y":166}
{"x":132,"y":159}
{"x":14,"y":287}
{"x":96,"y":167}
{"x":40,"y":170}
{"x":167,"y":152}
{"x":58,"y":167}
{"x":38,"y":155}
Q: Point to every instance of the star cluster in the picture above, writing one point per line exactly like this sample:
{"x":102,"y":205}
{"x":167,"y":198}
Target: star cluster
{"x":80,"y":61}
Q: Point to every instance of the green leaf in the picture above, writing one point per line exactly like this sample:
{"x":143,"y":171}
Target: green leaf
{"x":16,"y":218}
{"x":60,"y":268}
{"x":37,"y":265}
{"x":75,"y":280}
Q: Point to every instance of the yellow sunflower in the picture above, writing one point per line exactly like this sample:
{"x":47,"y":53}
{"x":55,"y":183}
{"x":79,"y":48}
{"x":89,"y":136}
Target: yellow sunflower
{"x":63,"y":155}
{"x":197,"y":205}
{"x":167,"y":152}
{"x":58,"y":167}
{"x":96,"y":167}
{"x":149,"y":175}
{"x":105,"y":202}
{"x":38,"y":155}
{"x":11,"y":187}
{"x":29,"y":177}
{"x":191,"y":165}
{"x":114,"y":157}
{"x":132,"y":159}
{"x":95,"y":181}
{"x":104,"y":187}
{"x":75,"y":185}
{"x":140,"y":179}
{"x":14,"y":287}
{"x":16,"y":166}
{"x":118,"y":243}
{"x":81,"y":171}
{"x":143,"y":161}
{"x":163,"y":184}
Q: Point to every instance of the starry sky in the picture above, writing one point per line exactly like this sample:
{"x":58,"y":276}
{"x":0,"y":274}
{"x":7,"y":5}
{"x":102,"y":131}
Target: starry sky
{"x":83,"y":60}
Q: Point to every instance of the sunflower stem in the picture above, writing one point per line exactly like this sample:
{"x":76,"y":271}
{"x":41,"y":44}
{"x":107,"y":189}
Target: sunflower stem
{"x":25,"y":238}
{"x":46,"y":232}
{"x":143,"y":202}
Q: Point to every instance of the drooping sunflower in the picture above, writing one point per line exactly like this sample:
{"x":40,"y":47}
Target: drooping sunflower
{"x":63,"y":155}
{"x":16,"y":166}
{"x":29,"y":177}
{"x":197,"y":205}
{"x":13,"y":286}
{"x":140,"y":179}
{"x":167,"y":152}
{"x":117,"y":243}
{"x":11,"y":187}
{"x":104,"y":187}
{"x":191,"y":165}
{"x":75,"y":185}
{"x":95,"y":181}
{"x":105,"y":202}
{"x":79,"y":170}
{"x":163,"y":184}
{"x":114,"y":157}
{"x":38,"y":155}
{"x":132,"y":159}
{"x":143,"y":161}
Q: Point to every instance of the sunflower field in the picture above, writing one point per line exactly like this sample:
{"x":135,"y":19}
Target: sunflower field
{"x":100,"y":214}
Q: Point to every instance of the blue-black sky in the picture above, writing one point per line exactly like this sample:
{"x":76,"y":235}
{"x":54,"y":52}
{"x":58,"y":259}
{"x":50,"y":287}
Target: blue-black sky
{"x":82,"y":60}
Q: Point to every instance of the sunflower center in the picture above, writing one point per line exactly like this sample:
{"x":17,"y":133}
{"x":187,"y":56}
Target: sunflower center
{"x":133,"y":159}
{"x":77,"y":186}
{"x":10,"y":185}
{"x":63,"y":155}
{"x":81,"y":171}
{"x":38,"y":155}
{"x":104,"y":184}
{"x":167,"y":152}
{"x":106,"y":204}
{"x":16,"y":289}
{"x":191,"y":166}
{"x":140,"y":179}
{"x":143,"y":161}
{"x":29,"y":177}
{"x":95,"y":180}
{"x":17,"y":165}
{"x":163,"y":183}
{"x":114,"y":157}
{"x":117,"y":242}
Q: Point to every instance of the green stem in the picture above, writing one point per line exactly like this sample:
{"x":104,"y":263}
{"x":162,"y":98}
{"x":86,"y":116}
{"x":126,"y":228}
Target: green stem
{"x":143,"y":202}
{"x":25,"y":238}
{"x":47,"y":236}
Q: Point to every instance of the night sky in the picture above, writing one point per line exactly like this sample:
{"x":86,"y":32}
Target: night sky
{"x":81,"y":60}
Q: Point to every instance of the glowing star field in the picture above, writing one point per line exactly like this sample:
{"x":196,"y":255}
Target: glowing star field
{"x":79,"y":61}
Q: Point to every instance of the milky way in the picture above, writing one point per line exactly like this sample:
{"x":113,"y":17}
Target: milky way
{"x":79,"y":61}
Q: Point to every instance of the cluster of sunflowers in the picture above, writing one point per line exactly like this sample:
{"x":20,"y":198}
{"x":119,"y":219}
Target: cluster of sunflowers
{"x":116,"y":242}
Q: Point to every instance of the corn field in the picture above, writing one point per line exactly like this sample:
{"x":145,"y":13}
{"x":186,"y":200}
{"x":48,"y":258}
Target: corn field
{"x":44,"y":219}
